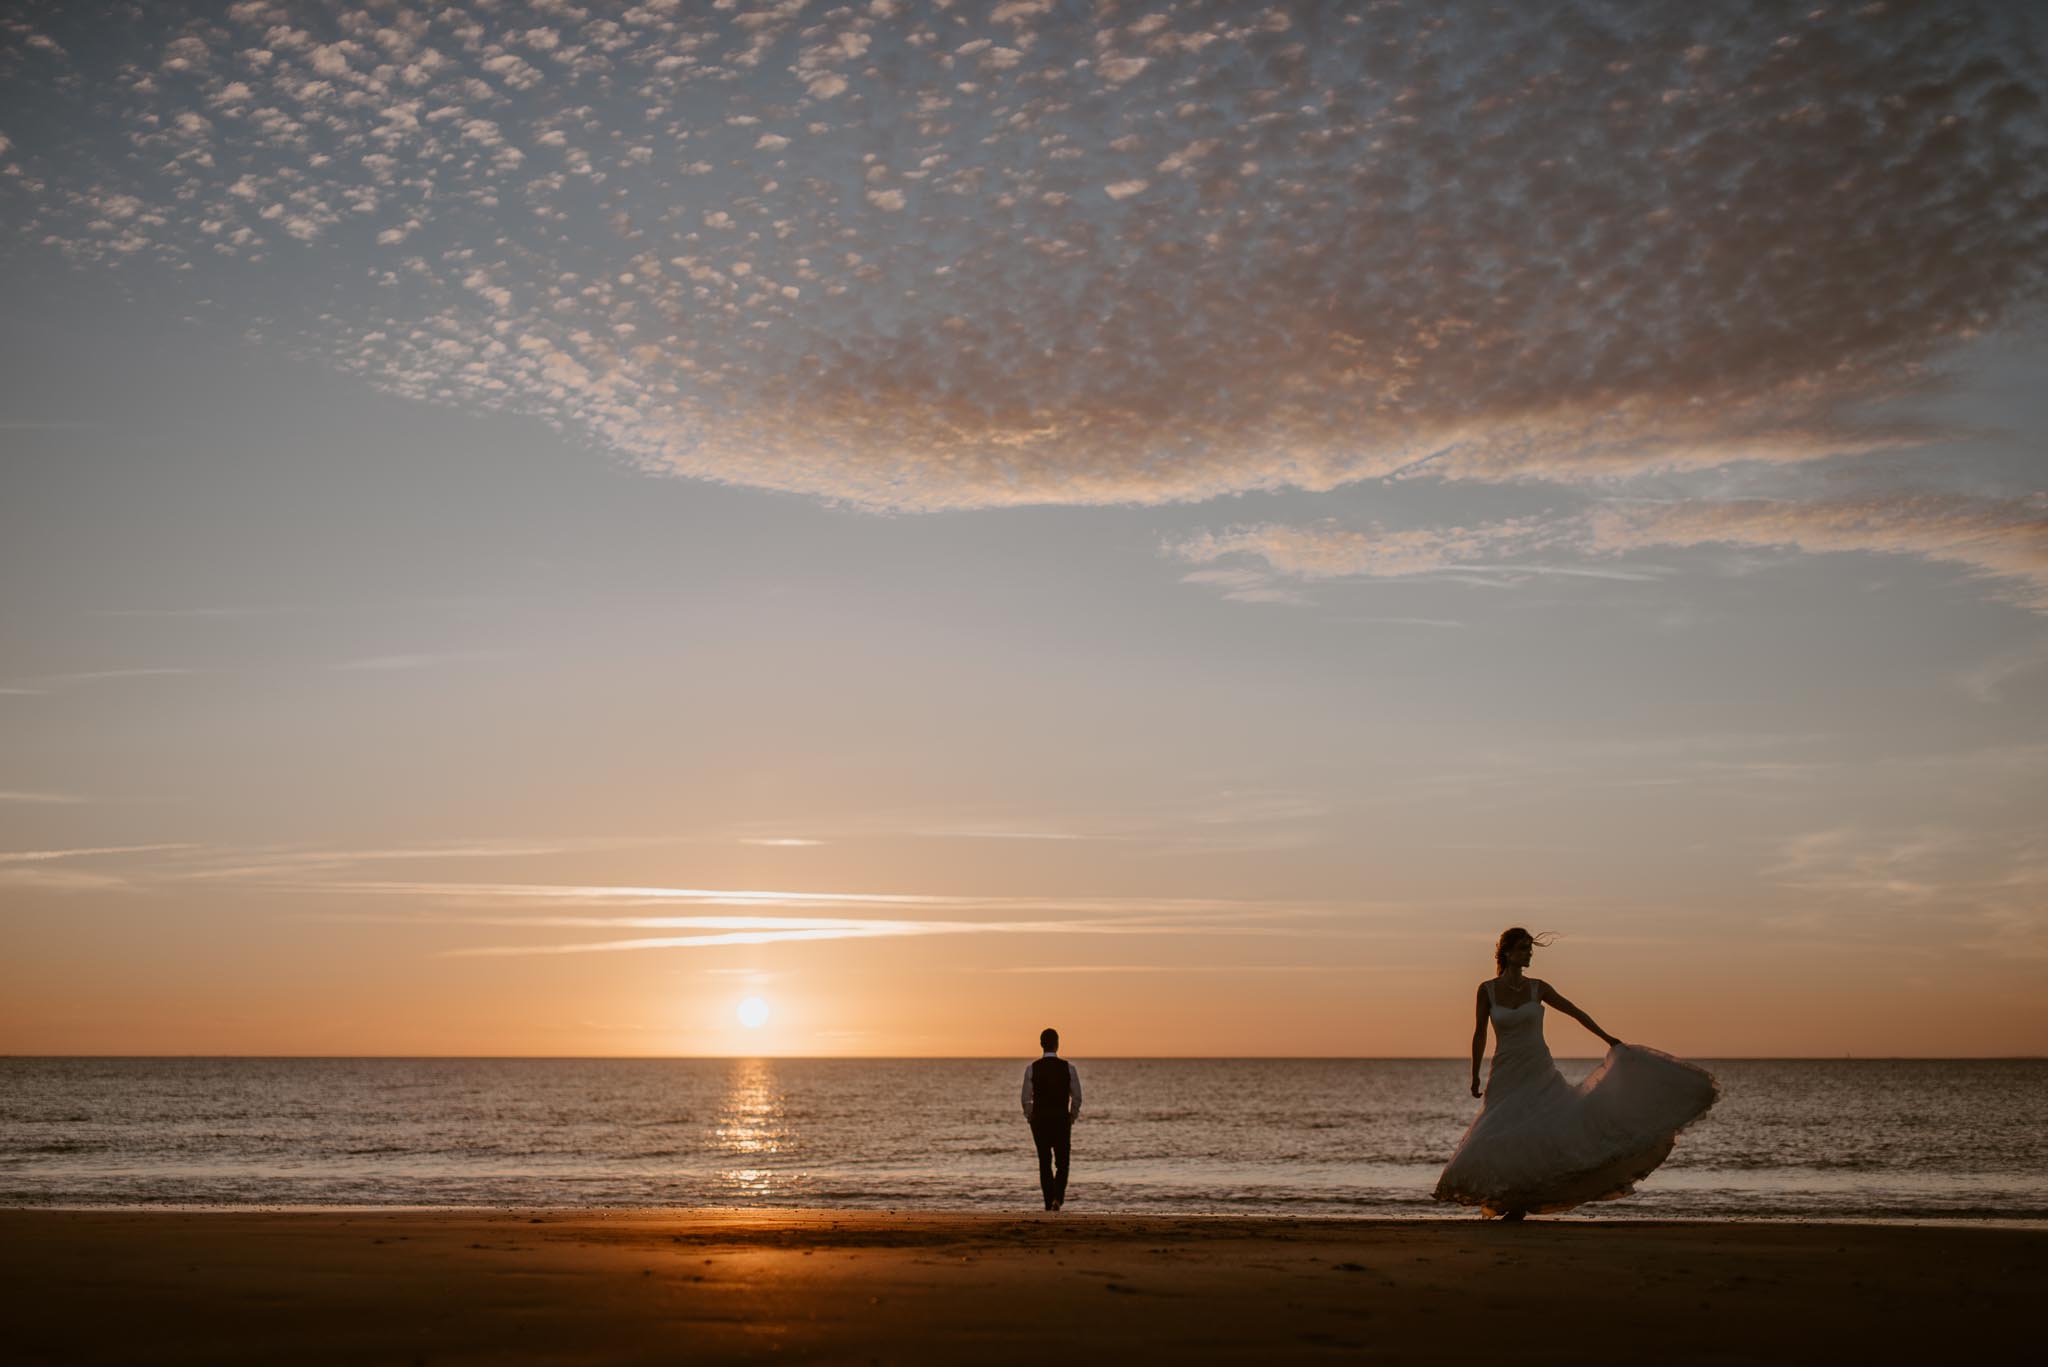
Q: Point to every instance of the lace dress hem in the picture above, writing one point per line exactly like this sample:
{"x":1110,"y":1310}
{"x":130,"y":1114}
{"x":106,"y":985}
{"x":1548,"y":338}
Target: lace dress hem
{"x":1608,"y":1182}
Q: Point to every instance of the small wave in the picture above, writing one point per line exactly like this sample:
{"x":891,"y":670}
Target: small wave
{"x":1791,"y":1166}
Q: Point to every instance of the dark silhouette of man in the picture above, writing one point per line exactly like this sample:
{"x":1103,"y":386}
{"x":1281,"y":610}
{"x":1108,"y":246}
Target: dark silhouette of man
{"x":1052,"y":1103}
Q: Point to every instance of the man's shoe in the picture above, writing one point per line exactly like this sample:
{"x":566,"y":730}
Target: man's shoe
{"x":1057,"y":1204}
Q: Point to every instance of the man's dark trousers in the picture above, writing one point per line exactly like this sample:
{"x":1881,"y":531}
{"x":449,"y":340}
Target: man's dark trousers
{"x":1054,"y":1138}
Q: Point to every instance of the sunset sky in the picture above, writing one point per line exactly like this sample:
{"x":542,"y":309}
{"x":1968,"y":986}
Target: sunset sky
{"x":523,"y":525}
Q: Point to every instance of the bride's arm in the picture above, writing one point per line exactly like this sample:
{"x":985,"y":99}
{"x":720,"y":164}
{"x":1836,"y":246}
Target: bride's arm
{"x":1553,"y":997}
{"x":1479,"y":1037}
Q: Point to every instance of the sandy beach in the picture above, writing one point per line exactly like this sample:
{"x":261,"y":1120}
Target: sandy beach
{"x":832,"y":1286}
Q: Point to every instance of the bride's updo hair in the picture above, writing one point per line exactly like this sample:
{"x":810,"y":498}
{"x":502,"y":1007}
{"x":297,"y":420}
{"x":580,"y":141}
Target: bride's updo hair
{"x":1513,"y":936}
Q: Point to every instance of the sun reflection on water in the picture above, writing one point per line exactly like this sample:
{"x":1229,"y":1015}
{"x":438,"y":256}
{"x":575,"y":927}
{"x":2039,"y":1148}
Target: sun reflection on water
{"x":750,"y":1126}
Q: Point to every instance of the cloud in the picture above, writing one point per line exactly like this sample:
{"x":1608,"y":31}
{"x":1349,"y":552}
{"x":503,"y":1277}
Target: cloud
{"x":1992,"y":885}
{"x":752,"y":916}
{"x":1242,"y":585}
{"x":304,"y":870}
{"x":37,"y":879}
{"x":54,"y":799}
{"x":614,"y":895}
{"x":28,"y":868}
{"x":1328,"y":550}
{"x":718,"y":931}
{"x":1557,"y":242}
{"x":2001,"y":541}
{"x":1260,"y":561}
{"x":89,"y":852}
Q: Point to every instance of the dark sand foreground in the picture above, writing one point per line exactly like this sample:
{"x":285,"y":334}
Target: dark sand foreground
{"x":696,"y":1286}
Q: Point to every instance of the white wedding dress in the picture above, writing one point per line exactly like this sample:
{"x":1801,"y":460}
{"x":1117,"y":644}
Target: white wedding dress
{"x":1540,"y":1144}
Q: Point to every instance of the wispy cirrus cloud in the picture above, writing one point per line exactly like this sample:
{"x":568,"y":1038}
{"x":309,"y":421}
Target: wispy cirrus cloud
{"x":1329,"y":550}
{"x":717,"y":932}
{"x":37,"y":878}
{"x":697,"y":917}
{"x":31,"y":869}
{"x":2001,"y":541}
{"x":714,"y":931}
{"x":925,"y":256}
{"x":503,"y":894}
{"x":86,"y":852}
{"x":1217,"y":819}
{"x":775,"y":916}
{"x":2004,"y":541}
{"x":304,"y":868}
{"x":1992,"y":884}
{"x":771,"y":917}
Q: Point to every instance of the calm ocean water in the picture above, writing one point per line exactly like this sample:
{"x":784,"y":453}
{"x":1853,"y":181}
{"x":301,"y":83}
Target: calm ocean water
{"x":1790,"y":1138}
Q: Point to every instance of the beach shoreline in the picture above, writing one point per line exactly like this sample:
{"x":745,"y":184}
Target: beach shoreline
{"x":1448,"y":1215}
{"x":744,"y":1285}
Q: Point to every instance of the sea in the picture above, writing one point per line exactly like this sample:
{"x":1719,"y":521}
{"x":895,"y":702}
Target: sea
{"x":1791,"y":1139}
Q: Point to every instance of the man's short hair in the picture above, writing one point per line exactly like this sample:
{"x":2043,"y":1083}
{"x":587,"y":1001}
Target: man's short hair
{"x":1049,"y":1038}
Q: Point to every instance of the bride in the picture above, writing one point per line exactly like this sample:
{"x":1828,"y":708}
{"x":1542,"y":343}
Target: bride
{"x":1540,"y":1144}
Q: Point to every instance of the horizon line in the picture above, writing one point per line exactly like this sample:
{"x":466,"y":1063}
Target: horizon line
{"x":978,"y":1058}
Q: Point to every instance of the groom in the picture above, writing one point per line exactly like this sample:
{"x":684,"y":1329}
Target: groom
{"x":1052,"y":1103}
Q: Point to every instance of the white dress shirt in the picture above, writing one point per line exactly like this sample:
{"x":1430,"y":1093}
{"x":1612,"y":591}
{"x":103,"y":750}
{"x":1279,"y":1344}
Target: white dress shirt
{"x":1073,"y":1088}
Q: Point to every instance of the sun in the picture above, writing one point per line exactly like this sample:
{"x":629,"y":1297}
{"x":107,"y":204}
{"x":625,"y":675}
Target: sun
{"x":754,"y":1013}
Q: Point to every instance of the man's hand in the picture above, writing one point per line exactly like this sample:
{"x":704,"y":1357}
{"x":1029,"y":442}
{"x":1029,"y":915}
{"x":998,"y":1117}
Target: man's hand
{"x":1475,"y":1088}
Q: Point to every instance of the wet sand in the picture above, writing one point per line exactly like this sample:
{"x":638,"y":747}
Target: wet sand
{"x":835,"y":1286}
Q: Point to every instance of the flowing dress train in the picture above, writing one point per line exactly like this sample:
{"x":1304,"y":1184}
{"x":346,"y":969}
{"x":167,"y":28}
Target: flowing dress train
{"x":1540,"y":1144}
